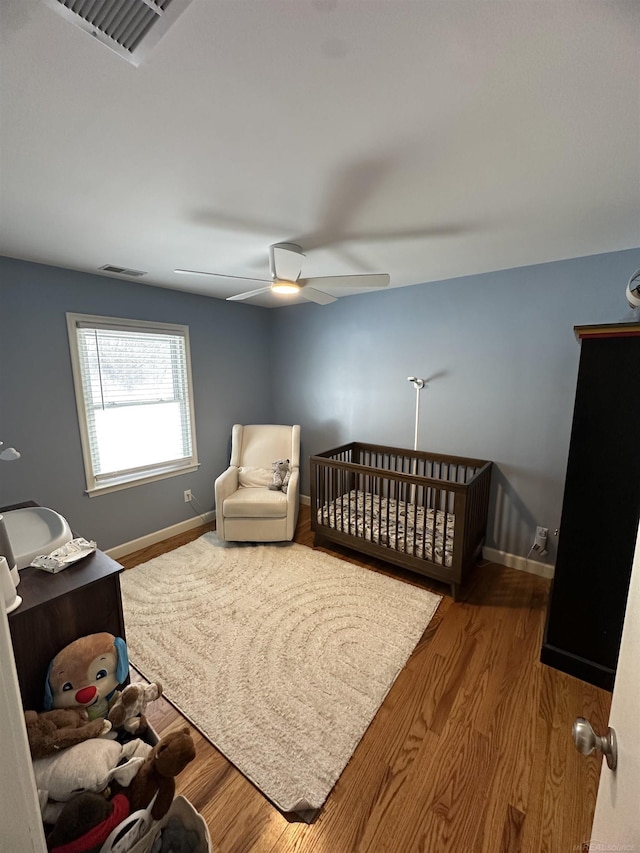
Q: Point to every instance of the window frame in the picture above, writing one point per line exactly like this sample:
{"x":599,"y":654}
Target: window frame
{"x":96,"y":485}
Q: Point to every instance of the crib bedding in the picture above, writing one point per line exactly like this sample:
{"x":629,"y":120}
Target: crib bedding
{"x":399,"y":525}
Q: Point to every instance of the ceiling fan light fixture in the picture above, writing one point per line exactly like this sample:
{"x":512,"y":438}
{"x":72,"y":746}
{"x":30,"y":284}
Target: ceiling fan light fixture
{"x":285,"y":266}
{"x":287,"y":288}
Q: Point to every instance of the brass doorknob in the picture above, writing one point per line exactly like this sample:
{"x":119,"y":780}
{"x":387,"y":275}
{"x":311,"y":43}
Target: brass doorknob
{"x":586,"y":740}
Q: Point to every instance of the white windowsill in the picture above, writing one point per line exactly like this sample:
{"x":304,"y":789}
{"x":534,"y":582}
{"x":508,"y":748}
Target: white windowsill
{"x":118,"y":485}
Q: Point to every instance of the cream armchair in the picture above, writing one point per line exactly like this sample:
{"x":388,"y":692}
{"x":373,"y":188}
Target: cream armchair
{"x":246,"y":509}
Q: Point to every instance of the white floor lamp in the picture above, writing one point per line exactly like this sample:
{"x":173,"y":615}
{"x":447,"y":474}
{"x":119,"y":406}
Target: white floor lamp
{"x":418,"y":384}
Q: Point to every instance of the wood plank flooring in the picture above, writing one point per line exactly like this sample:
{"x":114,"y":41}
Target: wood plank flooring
{"x":471,"y":752}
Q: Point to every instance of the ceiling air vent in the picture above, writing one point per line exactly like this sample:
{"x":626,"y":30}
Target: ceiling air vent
{"x":129,"y":27}
{"x":122,"y":270}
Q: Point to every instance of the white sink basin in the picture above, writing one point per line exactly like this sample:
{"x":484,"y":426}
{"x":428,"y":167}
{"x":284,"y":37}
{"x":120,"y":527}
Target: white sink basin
{"x":35,"y":530}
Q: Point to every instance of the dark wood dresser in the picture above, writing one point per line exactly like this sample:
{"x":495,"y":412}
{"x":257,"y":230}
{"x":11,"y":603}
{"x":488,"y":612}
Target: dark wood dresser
{"x":600,"y":510}
{"x":57,"y":609}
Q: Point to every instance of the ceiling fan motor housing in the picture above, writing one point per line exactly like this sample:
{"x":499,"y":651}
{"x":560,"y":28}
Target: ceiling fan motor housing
{"x":285,"y":261}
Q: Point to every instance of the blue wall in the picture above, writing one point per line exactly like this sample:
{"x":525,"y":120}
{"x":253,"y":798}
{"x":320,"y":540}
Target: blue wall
{"x":499,"y":351}
{"x":37,"y":402}
{"x":502,"y":360}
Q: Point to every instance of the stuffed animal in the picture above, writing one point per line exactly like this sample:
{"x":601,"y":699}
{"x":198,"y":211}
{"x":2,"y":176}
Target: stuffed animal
{"x":168,"y":757}
{"x":86,"y":822}
{"x":281,"y":475}
{"x":86,"y":673}
{"x":52,"y":731}
{"x":92,"y":765}
{"x":128,"y":710}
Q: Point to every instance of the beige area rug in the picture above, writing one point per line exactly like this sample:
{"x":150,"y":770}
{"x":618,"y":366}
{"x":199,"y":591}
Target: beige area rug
{"x":279,"y":654}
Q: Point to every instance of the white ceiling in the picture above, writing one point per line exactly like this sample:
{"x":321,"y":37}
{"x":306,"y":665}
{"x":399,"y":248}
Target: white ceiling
{"x":428,"y":140}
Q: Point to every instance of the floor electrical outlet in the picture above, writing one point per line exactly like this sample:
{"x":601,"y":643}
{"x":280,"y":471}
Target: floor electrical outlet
{"x":187,"y":496}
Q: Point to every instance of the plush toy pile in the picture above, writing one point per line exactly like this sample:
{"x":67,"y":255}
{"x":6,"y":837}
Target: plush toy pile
{"x":91,"y":767}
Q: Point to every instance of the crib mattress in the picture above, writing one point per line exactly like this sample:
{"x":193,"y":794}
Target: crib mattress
{"x":424,"y":533}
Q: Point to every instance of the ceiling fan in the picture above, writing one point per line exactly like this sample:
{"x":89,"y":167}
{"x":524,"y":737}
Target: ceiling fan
{"x":285,"y":266}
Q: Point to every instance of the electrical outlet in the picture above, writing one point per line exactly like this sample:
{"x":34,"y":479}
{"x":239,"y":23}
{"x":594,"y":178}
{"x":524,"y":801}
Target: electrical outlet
{"x":540,"y":542}
{"x":187,"y":496}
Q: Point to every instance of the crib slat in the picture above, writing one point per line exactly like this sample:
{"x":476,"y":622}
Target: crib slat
{"x":434,"y":524}
{"x":445,"y":521}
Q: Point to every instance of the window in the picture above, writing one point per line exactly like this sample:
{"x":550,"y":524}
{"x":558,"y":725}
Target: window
{"x":135,"y":403}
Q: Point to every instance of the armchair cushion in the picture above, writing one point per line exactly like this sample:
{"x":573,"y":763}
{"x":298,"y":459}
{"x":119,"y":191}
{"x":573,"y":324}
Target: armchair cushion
{"x":252,"y":476}
{"x":255,"y":503}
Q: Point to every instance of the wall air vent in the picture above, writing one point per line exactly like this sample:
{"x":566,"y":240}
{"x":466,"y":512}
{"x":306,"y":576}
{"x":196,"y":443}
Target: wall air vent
{"x":129,"y":27}
{"x":121,"y":270}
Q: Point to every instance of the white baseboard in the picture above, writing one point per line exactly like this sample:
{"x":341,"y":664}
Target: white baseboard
{"x":167,"y":532}
{"x":493,"y":555}
{"x":158,"y":535}
{"x":513,"y":561}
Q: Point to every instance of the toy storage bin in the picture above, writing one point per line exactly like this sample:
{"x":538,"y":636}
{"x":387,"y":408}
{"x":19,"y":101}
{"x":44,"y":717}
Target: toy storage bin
{"x":138,"y":833}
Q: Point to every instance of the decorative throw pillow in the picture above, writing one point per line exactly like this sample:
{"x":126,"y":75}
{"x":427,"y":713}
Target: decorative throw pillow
{"x":255,"y":477}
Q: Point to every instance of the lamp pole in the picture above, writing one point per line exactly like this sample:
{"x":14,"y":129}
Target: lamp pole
{"x":418,"y":384}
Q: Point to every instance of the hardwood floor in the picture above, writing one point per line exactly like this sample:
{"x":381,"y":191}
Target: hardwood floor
{"x":471,"y":752}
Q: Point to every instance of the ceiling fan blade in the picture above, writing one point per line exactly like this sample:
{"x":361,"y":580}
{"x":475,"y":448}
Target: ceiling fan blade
{"x":374,"y":280}
{"x":317,"y":296}
{"x":285,"y":261}
{"x":219,"y":275}
{"x":240,"y":297}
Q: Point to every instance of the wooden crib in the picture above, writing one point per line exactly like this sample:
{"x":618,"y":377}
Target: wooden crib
{"x":426,"y":512}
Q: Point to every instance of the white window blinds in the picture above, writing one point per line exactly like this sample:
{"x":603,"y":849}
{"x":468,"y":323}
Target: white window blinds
{"x":134,"y":399}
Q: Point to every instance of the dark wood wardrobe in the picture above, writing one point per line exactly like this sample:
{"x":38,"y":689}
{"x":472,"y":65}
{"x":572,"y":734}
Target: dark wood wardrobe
{"x":600,"y":510}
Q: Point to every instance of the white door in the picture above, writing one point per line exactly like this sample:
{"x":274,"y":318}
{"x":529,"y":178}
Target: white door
{"x":616,"y":823}
{"x":19,"y":808}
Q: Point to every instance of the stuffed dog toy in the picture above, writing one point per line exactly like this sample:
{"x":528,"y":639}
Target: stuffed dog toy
{"x":86,"y":674}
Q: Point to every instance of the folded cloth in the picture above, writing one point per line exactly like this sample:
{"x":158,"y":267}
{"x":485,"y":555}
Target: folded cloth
{"x":62,"y":557}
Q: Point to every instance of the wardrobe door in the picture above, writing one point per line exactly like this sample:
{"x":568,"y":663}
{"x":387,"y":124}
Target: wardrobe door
{"x":600,"y":511}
